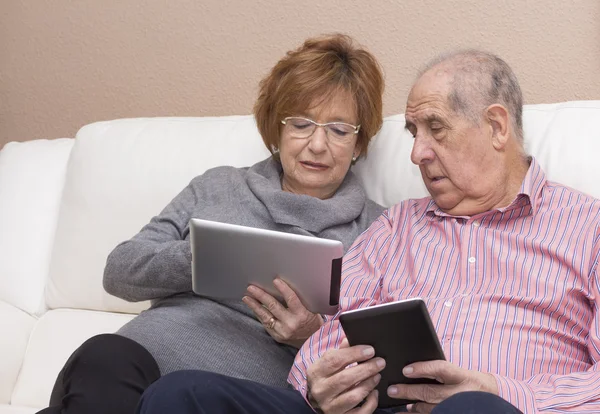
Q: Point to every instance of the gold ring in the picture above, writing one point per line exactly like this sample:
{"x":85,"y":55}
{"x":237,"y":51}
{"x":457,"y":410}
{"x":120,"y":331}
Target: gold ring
{"x":271,"y":323}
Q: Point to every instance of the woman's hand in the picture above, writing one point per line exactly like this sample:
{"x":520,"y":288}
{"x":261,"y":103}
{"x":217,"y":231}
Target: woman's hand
{"x":291,"y":325}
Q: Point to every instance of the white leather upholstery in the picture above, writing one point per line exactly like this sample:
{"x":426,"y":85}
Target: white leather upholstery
{"x":63,"y":207}
{"x":55,"y":336}
{"x":17,"y":409}
{"x":16,"y":326}
{"x":31,"y":180}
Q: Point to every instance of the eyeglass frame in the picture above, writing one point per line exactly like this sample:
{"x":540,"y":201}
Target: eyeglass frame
{"x":317,"y":124}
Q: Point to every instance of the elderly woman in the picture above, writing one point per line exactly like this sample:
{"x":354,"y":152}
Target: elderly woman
{"x":316,"y":112}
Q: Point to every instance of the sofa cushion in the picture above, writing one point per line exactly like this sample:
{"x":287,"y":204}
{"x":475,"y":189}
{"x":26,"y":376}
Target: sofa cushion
{"x":53,"y":339}
{"x":16,"y":327}
{"x":31,"y":180}
{"x":12,"y":409}
{"x":120,"y":174}
{"x":387,"y":174}
{"x":566,"y":140}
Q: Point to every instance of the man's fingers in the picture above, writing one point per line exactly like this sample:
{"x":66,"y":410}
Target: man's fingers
{"x":336,"y":360}
{"x":429,"y":393}
{"x":442,"y":371}
{"x":345,"y":387}
{"x":348,"y":400}
{"x":369,"y":405}
{"x":421,"y":408}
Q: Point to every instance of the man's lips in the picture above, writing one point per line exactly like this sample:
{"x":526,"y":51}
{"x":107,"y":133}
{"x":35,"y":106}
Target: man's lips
{"x":314,"y":165}
{"x":436,"y":179}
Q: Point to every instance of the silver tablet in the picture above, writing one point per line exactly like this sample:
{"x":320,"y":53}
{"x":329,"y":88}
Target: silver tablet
{"x":226,"y":258}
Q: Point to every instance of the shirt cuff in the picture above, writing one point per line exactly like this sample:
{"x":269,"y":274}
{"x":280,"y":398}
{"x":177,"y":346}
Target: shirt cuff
{"x":517,"y":393}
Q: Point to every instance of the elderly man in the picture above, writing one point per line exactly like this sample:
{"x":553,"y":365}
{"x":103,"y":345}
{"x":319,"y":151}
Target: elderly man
{"x":506,"y":261}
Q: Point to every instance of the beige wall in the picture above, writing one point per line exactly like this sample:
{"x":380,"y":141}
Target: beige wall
{"x":66,"y":63}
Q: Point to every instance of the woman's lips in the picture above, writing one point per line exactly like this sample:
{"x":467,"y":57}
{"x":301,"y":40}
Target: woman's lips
{"x":314,"y":165}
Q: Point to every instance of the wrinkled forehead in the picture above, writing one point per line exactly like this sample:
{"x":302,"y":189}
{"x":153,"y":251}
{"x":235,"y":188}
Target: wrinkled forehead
{"x":434,"y":82}
{"x":429,"y":94}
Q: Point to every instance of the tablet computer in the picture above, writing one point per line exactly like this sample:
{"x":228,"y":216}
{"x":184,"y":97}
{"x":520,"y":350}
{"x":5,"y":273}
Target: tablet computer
{"x":401,"y":333}
{"x":226,"y":258}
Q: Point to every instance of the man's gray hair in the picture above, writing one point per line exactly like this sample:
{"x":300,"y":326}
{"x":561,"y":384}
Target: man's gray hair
{"x":480,"y":79}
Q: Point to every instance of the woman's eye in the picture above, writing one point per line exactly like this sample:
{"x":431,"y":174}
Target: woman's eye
{"x":301,"y":125}
{"x":339,"y":132}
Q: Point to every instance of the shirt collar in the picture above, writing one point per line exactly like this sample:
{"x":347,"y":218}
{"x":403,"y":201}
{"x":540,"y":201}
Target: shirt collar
{"x":529,"y":193}
{"x":532,"y":185}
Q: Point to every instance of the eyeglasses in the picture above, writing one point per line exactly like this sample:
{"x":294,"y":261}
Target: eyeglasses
{"x":302,"y":128}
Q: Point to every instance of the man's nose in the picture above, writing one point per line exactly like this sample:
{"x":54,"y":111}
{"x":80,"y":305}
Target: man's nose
{"x":421,"y":153}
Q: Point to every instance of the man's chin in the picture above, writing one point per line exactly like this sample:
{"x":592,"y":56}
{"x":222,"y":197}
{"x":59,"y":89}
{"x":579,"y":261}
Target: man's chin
{"x":447,"y":204}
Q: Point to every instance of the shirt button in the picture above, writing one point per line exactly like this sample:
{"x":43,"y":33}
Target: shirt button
{"x":471,"y":260}
{"x":448,"y":304}
{"x":476,"y":223}
{"x":464,"y":295}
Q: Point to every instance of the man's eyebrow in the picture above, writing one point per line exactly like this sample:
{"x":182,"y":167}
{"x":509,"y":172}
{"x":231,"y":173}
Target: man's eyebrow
{"x":433,"y":118}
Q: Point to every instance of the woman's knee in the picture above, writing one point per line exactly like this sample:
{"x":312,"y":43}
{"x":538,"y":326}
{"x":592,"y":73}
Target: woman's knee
{"x":102,"y":352}
{"x":107,"y":344}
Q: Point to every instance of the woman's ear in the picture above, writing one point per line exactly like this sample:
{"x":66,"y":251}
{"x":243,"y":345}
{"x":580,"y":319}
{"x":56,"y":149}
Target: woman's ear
{"x":499,"y":120}
{"x":357,"y":150}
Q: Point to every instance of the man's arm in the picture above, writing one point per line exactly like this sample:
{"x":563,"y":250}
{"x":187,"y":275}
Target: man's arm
{"x":577,"y":392}
{"x":573,"y":393}
{"x":361,"y":287}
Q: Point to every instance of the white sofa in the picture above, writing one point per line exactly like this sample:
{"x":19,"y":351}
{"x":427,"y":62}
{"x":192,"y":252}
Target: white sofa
{"x":65,"y":203}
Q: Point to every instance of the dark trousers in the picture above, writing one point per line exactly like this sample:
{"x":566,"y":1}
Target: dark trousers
{"x":106,"y":374}
{"x":199,"y":392}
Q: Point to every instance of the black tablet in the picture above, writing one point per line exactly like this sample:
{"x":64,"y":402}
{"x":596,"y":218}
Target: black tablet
{"x":401,"y":333}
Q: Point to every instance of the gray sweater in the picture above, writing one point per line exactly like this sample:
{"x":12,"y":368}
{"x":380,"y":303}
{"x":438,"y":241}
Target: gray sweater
{"x":185,"y":331}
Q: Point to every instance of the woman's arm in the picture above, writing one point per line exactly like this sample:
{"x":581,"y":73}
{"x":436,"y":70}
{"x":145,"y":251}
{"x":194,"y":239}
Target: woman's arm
{"x":156,"y":262}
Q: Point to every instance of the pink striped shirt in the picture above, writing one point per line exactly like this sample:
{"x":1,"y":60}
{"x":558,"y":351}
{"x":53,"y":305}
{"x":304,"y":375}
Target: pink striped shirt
{"x":512,"y":291}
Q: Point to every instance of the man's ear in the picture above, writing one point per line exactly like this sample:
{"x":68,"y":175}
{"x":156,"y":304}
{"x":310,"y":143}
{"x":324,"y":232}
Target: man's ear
{"x":499,"y":120}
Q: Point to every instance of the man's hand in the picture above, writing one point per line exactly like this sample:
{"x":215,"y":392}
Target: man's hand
{"x":453,"y":378}
{"x":291,"y":325}
{"x":336,"y":389}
